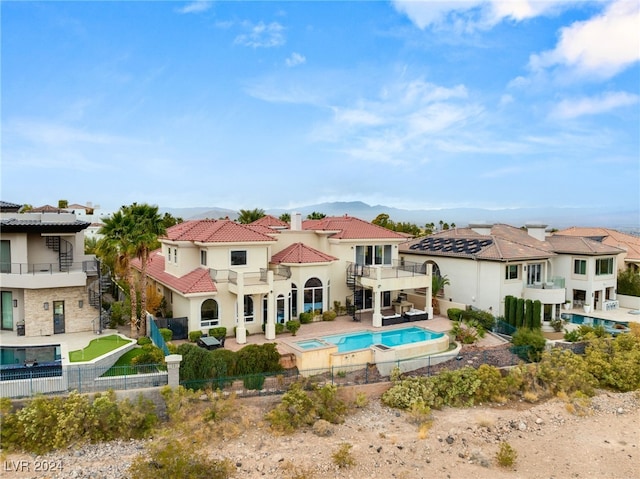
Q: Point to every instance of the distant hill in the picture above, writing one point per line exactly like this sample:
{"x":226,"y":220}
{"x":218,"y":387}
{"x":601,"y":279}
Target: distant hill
{"x":627,"y":221}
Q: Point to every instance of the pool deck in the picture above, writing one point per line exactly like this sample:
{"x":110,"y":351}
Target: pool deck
{"x":73,"y":341}
{"x":620,"y":314}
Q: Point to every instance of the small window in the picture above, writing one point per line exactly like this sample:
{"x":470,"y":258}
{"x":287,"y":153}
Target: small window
{"x":580,"y":266}
{"x":175,"y":255}
{"x":604,"y":266}
{"x":238,"y":258}
{"x":512,"y":271}
{"x":168,"y":255}
{"x":203,"y":257}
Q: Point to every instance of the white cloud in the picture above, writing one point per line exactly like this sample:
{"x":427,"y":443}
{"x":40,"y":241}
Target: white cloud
{"x":262,"y":35}
{"x":470,"y":15}
{"x":576,"y":107}
{"x":601,"y":46}
{"x":195,"y":7}
{"x":295,"y":59}
{"x":55,"y":134}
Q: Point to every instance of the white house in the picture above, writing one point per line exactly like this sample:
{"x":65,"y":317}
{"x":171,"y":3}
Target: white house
{"x":485,"y":263}
{"x":221,"y":273}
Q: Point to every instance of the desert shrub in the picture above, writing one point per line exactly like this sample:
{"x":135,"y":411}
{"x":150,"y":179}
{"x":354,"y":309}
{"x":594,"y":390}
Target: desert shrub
{"x":195,"y":335}
{"x":467,"y":333}
{"x":455,"y":388}
{"x":305,"y":318}
{"x":343,"y":457}
{"x":294,"y":410}
{"x":171,"y":458}
{"x":361,"y":400}
{"x":322,"y":428}
{"x":506,"y":455}
{"x":329,"y":315}
{"x":293,"y":326}
{"x":454,"y":314}
{"x":327,"y":404}
{"x":614,"y":362}
{"x":492,"y":387}
{"x":218,"y":332}
{"x":406,"y":391}
{"x":562,"y":370}
{"x":529,"y":343}
{"x":144,"y":340}
{"x":47,"y":423}
{"x":167,"y":334}
{"x":419,"y":412}
{"x":254,"y":358}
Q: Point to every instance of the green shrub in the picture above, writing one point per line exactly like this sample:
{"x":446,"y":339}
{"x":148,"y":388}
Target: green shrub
{"x":279,"y":328}
{"x":305,"y":318}
{"x":629,"y":282}
{"x":493,"y":386}
{"x":195,"y":335}
{"x":173,"y":459}
{"x":294,"y":410}
{"x":528,"y":313}
{"x":519,"y":313}
{"x":197,"y":363}
{"x":329,"y":315}
{"x":151,"y":355}
{"x":537,"y":314}
{"x":144,"y":340}
{"x":327,"y":404}
{"x":254,"y":358}
{"x":293,"y":326}
{"x":218,"y":332}
{"x":253,"y":381}
{"x":529,"y":343}
{"x":561,"y":370}
{"x":614,"y":362}
{"x":506,"y":455}
{"x":513,"y":308}
{"x":454,"y":314}
{"x":167,"y":334}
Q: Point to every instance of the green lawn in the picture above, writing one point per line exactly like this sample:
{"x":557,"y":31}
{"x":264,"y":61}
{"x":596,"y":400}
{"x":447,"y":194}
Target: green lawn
{"x":123,"y":366}
{"x":97,"y":348}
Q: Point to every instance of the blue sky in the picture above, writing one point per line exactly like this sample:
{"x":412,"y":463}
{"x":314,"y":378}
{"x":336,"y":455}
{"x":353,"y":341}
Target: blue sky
{"x":281,"y":104}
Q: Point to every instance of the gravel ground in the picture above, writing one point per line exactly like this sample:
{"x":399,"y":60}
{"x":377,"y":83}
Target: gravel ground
{"x":551,"y":443}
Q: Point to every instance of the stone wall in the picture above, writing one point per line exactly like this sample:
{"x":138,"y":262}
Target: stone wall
{"x":39,"y":321}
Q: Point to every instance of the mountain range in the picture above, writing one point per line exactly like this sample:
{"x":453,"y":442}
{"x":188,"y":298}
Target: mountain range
{"x":554,"y":217}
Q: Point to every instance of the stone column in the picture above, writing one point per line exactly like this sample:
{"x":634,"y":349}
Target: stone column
{"x":241,"y":330}
{"x":377,"y":291}
{"x":270,"y":328}
{"x":173,"y":369}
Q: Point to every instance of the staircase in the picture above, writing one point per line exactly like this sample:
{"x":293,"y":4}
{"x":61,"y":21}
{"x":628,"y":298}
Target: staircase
{"x":96,"y":289}
{"x":64,"y":250}
{"x":354,"y":273}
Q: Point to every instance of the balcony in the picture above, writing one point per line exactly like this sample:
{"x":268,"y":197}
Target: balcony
{"x":399,"y":275}
{"x":551,"y":291}
{"x":47,"y":275}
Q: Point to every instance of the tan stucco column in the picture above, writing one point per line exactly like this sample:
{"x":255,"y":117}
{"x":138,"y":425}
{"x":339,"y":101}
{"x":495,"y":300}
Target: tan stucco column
{"x":173,"y":369}
{"x":241,"y":330}
{"x":270,"y":328}
{"x":377,"y":291}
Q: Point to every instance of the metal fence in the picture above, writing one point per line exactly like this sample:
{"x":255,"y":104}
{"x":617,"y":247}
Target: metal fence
{"x":357,"y":374}
{"x":82,"y":378}
{"x":156,"y":336}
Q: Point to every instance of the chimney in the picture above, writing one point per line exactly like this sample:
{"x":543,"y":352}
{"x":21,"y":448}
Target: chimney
{"x":296,"y":222}
{"x":537,"y":231}
{"x":481,"y":228}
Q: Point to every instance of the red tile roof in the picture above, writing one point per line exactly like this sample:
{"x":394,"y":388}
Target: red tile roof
{"x":299,"y":253}
{"x":215,"y":231}
{"x":197,"y":281}
{"x":609,"y":237}
{"x":349,"y":227}
{"x":271,"y":222}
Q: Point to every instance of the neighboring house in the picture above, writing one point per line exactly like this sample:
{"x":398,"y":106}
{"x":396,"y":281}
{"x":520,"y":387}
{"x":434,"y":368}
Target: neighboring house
{"x":485,"y":263}
{"x":46,"y":279}
{"x":248,"y":277}
{"x":629,"y":258}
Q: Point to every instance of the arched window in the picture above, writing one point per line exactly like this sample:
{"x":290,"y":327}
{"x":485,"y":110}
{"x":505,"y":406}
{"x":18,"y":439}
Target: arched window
{"x":313,"y":295}
{"x":294,"y":301}
{"x":209,"y":315}
{"x":280,"y":309}
{"x":435,"y":270}
{"x":248,"y":309}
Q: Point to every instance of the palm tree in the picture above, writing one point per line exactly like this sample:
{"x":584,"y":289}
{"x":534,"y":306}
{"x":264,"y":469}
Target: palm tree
{"x":286,"y":217}
{"x":116,"y":249}
{"x":316,"y":216}
{"x":249,"y":216}
{"x":429,"y":227}
{"x":437,"y":286}
{"x":144,"y":239}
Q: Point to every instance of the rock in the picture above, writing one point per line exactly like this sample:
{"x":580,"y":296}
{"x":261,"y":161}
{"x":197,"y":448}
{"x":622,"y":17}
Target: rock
{"x":450,"y":439}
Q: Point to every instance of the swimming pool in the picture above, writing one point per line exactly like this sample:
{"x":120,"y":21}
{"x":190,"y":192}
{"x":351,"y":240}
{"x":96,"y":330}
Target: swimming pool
{"x":11,"y":356}
{"x":354,"y":350}
{"x":610,"y":326}
{"x":364,"y":339}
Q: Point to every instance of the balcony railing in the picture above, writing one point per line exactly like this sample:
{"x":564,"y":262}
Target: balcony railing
{"x":398,"y":269}
{"x":89,"y":267}
{"x":556,"y":282}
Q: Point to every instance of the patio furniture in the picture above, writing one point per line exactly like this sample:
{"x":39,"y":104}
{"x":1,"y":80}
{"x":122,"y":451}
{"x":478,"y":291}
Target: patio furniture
{"x":209,"y":342}
{"x":393,"y":319}
{"x":416,"y":315}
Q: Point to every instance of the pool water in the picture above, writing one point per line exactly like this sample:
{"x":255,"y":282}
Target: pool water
{"x":363,"y":339}
{"x":18,"y":356}
{"x":606,"y":323}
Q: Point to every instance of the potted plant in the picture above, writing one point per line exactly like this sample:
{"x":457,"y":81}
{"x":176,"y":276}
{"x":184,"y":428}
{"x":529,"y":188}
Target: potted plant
{"x":567,"y":304}
{"x":587,"y":307}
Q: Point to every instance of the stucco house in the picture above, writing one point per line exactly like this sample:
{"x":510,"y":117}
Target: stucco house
{"x":248,"y":277}
{"x":628,"y":258}
{"x":47,"y":282}
{"x":485,"y":263}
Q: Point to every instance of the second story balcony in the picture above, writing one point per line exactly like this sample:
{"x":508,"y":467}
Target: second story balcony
{"x":551,"y":291}
{"x":49,"y":275}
